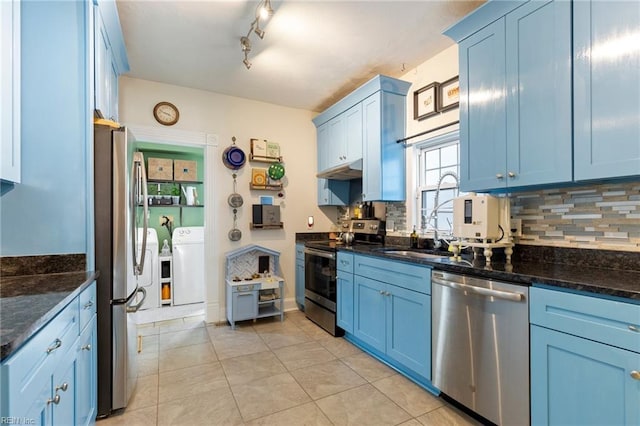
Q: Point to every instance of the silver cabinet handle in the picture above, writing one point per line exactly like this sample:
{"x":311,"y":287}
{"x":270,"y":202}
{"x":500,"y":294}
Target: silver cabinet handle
{"x":86,"y":348}
{"x":386,"y":293}
{"x":499,"y":176}
{"x":88,"y":304}
{"x":635,"y":374}
{"x":55,"y":400}
{"x":511,"y":174}
{"x":381,"y":292}
{"x":56,"y":344}
{"x":63,"y":387}
{"x":634,"y":328}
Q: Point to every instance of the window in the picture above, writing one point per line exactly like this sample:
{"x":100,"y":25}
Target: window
{"x":434,"y":158}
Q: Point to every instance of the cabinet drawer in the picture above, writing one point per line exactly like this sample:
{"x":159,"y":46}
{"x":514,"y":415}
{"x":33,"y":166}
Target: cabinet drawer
{"x":87,"y":305}
{"x":345,"y":262}
{"x":406,"y":275}
{"x":602,"y":320}
{"x":36,"y":359}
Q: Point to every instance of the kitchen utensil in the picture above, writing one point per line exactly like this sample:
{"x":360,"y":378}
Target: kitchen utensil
{"x":347,"y":238}
{"x":235,"y":234}
{"x":235,"y":200}
{"x":276,"y":171}
{"x":233,"y":157}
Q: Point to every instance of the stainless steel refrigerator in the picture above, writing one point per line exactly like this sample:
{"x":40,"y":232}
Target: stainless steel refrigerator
{"x":120,"y":207}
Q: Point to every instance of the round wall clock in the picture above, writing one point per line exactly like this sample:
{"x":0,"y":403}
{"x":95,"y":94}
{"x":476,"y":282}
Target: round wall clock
{"x":166,"y":113}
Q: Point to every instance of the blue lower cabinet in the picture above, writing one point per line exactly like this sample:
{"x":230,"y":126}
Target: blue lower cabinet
{"x":86,"y":388}
{"x":300,"y":275}
{"x":39,"y":411}
{"x":396,"y":322}
{"x":64,"y":391}
{"x":409,"y":329}
{"x":370,"y":312}
{"x":575,"y":381}
{"x":345,"y":301}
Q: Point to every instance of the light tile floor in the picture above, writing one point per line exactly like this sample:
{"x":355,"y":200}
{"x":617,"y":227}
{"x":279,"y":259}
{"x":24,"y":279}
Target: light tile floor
{"x":270,"y":373}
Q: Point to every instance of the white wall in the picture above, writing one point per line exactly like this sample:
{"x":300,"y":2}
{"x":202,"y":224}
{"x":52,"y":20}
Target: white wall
{"x":227,"y":116}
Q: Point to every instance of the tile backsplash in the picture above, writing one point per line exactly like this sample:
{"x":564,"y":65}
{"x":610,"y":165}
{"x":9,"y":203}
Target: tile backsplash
{"x":604,"y":216}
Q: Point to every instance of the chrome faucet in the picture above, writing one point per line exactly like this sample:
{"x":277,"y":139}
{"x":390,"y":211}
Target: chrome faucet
{"x":434,"y":213}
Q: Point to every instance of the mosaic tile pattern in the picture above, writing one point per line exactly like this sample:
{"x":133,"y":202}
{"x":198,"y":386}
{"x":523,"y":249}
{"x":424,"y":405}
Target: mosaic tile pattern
{"x":603,"y":216}
{"x":397,"y":212}
{"x":245,"y":265}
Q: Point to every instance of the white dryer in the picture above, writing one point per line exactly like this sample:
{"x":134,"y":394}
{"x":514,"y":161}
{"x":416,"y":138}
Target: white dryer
{"x":188,"y":265}
{"x":149,"y":278}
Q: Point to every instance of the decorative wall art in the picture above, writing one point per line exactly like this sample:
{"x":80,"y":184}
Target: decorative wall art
{"x":425,"y":101}
{"x":449,"y":95}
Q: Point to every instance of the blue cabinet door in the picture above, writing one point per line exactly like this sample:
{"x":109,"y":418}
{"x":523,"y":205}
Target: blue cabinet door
{"x":333,"y":192}
{"x":336,"y":141}
{"x":483,"y":139}
{"x":40,"y":409}
{"x":576,"y":381}
{"x":409,"y":329}
{"x":369,"y":322}
{"x":300,"y":284}
{"x":64,"y":387}
{"x":86,"y":386}
{"x":606,"y":88}
{"x":345,"y":302}
{"x":322,"y":140}
{"x":353,"y":128}
{"x":371,"y":149}
{"x":538,"y":66}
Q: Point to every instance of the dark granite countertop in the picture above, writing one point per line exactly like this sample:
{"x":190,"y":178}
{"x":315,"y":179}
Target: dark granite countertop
{"x":618,"y":283}
{"x":28,"y":302}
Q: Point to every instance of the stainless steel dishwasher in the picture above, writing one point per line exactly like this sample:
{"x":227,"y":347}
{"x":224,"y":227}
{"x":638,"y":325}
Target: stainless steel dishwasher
{"x":480,"y":347}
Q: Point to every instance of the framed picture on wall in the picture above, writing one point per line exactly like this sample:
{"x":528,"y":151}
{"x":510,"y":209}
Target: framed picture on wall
{"x":425,"y":101}
{"x":449,"y":94}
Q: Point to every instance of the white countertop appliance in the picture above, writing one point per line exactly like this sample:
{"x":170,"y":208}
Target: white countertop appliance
{"x":481,"y":217}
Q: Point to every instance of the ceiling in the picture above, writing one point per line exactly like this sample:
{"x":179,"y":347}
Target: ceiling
{"x":312,"y":55}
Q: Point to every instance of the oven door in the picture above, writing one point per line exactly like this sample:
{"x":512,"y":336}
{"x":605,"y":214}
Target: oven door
{"x":320,"y":276}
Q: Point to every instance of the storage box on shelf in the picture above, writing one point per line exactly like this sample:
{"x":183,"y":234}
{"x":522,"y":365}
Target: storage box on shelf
{"x":185,"y":171}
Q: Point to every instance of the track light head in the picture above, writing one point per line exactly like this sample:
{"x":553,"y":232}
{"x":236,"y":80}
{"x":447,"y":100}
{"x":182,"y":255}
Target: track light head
{"x":245,"y":44}
{"x":246,"y":62}
{"x":259,"y":32}
{"x":266,"y":10}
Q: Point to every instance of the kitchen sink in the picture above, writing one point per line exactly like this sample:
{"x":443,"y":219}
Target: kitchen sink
{"x":414,"y":254}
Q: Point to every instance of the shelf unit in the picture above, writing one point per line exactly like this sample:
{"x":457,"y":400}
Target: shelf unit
{"x":260,"y":159}
{"x":165,"y":265}
{"x":244,"y":299}
{"x":261,"y":226}
{"x":180,"y":183}
{"x":269,"y":187}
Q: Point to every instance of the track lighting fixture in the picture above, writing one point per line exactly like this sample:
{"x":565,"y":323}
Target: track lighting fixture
{"x":263,"y":11}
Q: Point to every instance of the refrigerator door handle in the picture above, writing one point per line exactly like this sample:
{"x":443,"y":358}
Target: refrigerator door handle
{"x":134,"y":308}
{"x":138,"y":183}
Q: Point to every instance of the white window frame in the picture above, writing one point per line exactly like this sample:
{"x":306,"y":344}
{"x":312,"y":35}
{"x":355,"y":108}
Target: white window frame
{"x":440,"y":141}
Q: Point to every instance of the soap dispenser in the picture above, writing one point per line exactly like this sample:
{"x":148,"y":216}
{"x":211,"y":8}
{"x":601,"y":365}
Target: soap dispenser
{"x":165,"y":249}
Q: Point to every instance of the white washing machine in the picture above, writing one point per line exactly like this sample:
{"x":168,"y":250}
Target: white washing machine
{"x":188,"y":265}
{"x":149,"y":278}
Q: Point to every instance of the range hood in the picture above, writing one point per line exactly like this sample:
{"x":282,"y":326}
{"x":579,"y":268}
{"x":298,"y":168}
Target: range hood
{"x":348,"y":171}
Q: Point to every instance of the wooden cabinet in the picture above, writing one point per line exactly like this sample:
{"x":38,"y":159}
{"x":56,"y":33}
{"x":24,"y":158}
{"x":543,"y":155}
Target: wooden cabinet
{"x":515,"y":102}
{"x":110,"y":58}
{"x":606,"y":89}
{"x":52,"y":378}
{"x":585,"y":359}
{"x":300,"y":275}
{"x":10,"y":91}
{"x":392,"y":312}
{"x":365,"y":125}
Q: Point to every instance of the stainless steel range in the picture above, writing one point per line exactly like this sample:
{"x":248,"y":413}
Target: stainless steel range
{"x":320,"y":270}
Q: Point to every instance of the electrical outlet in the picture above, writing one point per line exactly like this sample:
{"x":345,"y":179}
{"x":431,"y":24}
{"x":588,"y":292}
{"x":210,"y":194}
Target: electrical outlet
{"x":162,"y":219}
{"x":516,"y":227}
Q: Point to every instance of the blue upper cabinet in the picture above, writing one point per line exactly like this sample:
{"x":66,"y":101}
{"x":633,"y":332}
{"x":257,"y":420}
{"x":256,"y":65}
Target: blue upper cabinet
{"x":110,"y":58}
{"x":606,"y":89}
{"x":10,"y":91}
{"x":515,"y":104}
{"x":361,"y":130}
